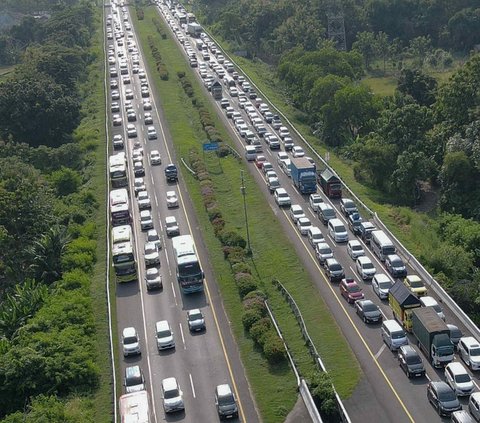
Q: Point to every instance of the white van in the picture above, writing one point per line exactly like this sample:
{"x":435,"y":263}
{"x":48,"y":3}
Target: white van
{"x":469,"y":350}
{"x":393,"y":335}
{"x":250,"y":152}
{"x":381,"y":245}
{"x":337,"y":230}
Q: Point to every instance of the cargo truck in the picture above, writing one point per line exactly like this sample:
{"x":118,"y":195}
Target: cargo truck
{"x":303,"y":175}
{"x":433,"y":336}
{"x":402,"y":302}
{"x":331,"y":185}
{"x":194,"y":29}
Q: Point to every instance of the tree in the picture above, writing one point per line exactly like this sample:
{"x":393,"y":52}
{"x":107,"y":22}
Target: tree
{"x":382,"y":48}
{"x":365,"y":44}
{"x":463,"y":28}
{"x":419,"y":47}
{"x":419,"y":85}
{"x":323,"y":91}
{"x":65,"y":181}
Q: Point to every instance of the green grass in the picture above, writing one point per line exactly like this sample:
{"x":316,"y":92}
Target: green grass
{"x":383,"y":86}
{"x":5,"y":71}
{"x":271,"y":249}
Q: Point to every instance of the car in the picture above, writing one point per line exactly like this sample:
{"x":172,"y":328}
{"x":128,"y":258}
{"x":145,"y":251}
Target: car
{"x":151,"y":133}
{"x":117,"y":120}
{"x":283,"y":131}
{"x":153,"y":279}
{"x":147,"y":105}
{"x":229,"y":111}
{"x":172,"y":395}
{"x":152,"y":236}
{"x":267,"y":166}
{"x":354,"y":222}
{"x":171,"y":226}
{"x":115,"y":107}
{"x":427,"y":301}
{"x":131,"y":115}
{"x":365,"y":268}
{"x":368,"y":311}
{"x":272,"y":184}
{"x":455,"y":334}
{"x":459,"y":379}
{"x":155,"y":158}
{"x":134,"y":380}
{"x":146,"y":221}
{"x":225,"y":402}
{"x":143,"y":200}
{"x":195,"y":319}
{"x":381,"y":285}
{"x":462,"y":416}
{"x":347,"y":206}
{"x":144,"y":92}
{"x":355,"y":249}
{"x":365,"y":231}
{"x":164,"y":335}
{"x":147,"y":118}
{"x":297,"y":151}
{"x":118,"y":142}
{"x":282,"y":156}
{"x":224,"y":103}
{"x":474,"y":405}
{"x":128,"y":94}
{"x":115,"y":95}
{"x":333,"y":269}
{"x":315,"y":200}
{"x":137,"y":155}
{"x":415,"y":284}
{"x":282,"y":198}
{"x":151,"y":254}
{"x":139,"y":185}
{"x":410,"y":361}
{"x":233,"y":91}
{"x":296,"y":212}
{"x":138,"y":168}
{"x":126,"y":79}
{"x":259,"y":161}
{"x":172,"y":199}
{"x":130,"y":342}
{"x":469,"y":351}
{"x":131,"y":131}
{"x":350,"y":290}
{"x":395,"y":266}
{"x":323,"y":252}
{"x":303,"y":225}
{"x":315,"y":236}
{"x":443,"y":398}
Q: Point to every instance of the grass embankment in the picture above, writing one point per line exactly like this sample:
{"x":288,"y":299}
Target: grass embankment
{"x":273,"y":255}
{"x":5,"y":71}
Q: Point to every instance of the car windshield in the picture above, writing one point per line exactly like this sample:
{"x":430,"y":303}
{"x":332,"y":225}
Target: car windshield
{"x":305,"y":223}
{"x":298,"y":212}
{"x":172,"y":393}
{"x":353,"y":288}
{"x":475,"y":351}
{"x":368,"y":266}
{"x":413,"y":359}
{"x":369,"y":307}
{"x":335,"y":267}
{"x":130,"y":340}
{"x":397,"y":263}
{"x":398,"y":335}
{"x":357,"y":248}
{"x":446,"y":395}
{"x":416,"y":284}
{"x":164,"y":334}
{"x":463,"y":378}
{"x":384,"y":285}
{"x":325,"y":251}
{"x":225,"y":400}
{"x":195,"y":316}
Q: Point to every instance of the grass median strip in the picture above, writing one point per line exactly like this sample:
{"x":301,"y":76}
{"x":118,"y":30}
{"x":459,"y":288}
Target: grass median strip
{"x":273,"y":255}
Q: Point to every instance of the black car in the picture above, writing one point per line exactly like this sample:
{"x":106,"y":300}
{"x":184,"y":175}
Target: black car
{"x":365,"y":231}
{"x":410,"y":361}
{"x":395,"y":266}
{"x":334,"y":270}
{"x":354,"y":222}
{"x":443,"y":398}
{"x":347,"y":206}
{"x":368,"y":311}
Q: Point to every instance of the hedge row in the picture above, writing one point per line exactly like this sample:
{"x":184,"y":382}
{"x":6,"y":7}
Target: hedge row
{"x":160,"y":28}
{"x":255,"y":319}
{"x":140,"y":13}
{"x":206,"y":119}
{"x":161,"y":68}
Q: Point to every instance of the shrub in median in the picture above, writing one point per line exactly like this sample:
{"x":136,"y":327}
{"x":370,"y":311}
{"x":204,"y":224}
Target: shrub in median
{"x":242,"y":268}
{"x":245,"y":284}
{"x":273,"y":348}
{"x":249,"y":317}
{"x":232,"y":239}
{"x":260,"y":329}
{"x":323,"y":394}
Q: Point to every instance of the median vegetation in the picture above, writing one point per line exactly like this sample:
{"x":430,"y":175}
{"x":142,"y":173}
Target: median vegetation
{"x":272,"y":254}
{"x":54,"y":364}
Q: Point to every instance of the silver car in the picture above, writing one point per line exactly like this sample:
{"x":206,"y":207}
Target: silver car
{"x":196,"y":321}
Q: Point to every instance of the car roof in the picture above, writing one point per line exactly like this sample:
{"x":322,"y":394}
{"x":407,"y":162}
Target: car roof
{"x":456,"y":367}
{"x":408,"y":350}
{"x":169,"y":383}
{"x":130,"y":331}
{"x":224,"y":390}
{"x":363,"y":259}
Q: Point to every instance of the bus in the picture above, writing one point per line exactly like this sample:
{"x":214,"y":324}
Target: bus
{"x":123,"y":254}
{"x":118,"y":170}
{"x":134,"y":408}
{"x":189,"y":273}
{"x":119,"y":207}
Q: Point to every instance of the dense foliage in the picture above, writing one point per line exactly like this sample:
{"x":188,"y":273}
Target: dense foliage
{"x":47,"y":238}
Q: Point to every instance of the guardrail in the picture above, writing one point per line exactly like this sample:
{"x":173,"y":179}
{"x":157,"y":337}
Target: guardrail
{"x":419,"y":268}
{"x":311,"y":346}
{"x":188,"y":168}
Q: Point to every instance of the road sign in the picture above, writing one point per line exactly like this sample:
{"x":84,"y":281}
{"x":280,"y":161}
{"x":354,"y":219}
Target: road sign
{"x":210,"y":146}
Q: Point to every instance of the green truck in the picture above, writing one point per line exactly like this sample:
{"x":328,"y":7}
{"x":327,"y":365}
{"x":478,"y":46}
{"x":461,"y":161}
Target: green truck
{"x":433,"y":336}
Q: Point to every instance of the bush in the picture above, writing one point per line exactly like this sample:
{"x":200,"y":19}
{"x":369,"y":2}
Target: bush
{"x":218,"y":225}
{"x":254,"y":303}
{"x":223,"y":151}
{"x":235,"y":254}
{"x":233,"y":239}
{"x":245,"y":284}
{"x":324,"y":396}
{"x":214,"y":213}
{"x":249,"y":317}
{"x":242,"y":268}
{"x":255,"y":294}
{"x":273,"y":348}
{"x":260,"y":330}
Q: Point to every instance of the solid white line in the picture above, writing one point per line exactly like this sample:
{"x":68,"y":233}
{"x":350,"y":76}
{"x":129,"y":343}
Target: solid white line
{"x":183,"y":338}
{"x":380,"y":351}
{"x":156,"y":199}
{"x":191,"y":383}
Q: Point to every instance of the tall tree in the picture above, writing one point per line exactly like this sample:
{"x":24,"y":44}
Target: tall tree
{"x":419,"y":85}
{"x":365,"y":44}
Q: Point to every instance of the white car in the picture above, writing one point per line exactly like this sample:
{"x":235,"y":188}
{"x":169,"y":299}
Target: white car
{"x":365,"y":268}
{"x":152,"y":236}
{"x":139,"y":185}
{"x":147,"y":105}
{"x":144,"y":201}
{"x":171,"y":226}
{"x":315,"y":200}
{"x":172,"y":199}
{"x":297,"y":151}
{"x":282,"y":198}
{"x":146,"y":221}
{"x":304,"y":224}
{"x":296,"y":212}
{"x":128,"y":94}
{"x":117,"y":120}
{"x":152,"y":256}
{"x":315,"y":235}
{"x":130,"y":342}
{"x":172,"y":395}
{"x":131,"y":131}
{"x":355,"y":249}
{"x":155,"y":158}
{"x":151,"y":133}
{"x":281,"y":157}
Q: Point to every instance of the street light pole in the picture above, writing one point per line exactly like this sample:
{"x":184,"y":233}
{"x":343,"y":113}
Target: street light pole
{"x":242,"y":189}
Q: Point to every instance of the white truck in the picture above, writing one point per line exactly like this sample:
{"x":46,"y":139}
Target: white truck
{"x":194,"y":29}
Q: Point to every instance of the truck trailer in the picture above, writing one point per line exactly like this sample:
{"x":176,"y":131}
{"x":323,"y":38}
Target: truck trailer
{"x":194,"y":29}
{"x":330,"y":183}
{"x":433,"y":336}
{"x":303,"y":175}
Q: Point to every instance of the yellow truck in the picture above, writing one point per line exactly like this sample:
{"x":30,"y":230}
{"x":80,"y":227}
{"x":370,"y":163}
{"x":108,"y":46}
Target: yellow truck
{"x":403,"y":301}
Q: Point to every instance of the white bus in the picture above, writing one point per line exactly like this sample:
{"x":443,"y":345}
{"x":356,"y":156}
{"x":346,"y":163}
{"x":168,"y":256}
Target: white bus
{"x":189,"y":273}
{"x":118,"y":170}
{"x":381,"y":245}
{"x":121,"y":234}
{"x":134,"y":408}
{"x":119,"y":207}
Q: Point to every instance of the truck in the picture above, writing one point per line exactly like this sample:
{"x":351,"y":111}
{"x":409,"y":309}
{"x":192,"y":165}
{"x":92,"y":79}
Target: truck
{"x":194,"y":29}
{"x":303,"y":175}
{"x":330,"y":183}
{"x":433,"y":336}
{"x":402,"y":301}
{"x":171,"y":173}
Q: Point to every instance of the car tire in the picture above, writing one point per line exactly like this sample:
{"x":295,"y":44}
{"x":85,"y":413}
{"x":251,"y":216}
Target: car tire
{"x":364,"y":319}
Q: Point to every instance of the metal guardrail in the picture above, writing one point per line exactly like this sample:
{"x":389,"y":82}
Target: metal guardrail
{"x":419,"y":268}
{"x":311,"y":346}
{"x":188,"y":168}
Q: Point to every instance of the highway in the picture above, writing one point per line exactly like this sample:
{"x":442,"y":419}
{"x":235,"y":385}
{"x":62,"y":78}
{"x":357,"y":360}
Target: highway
{"x":200,"y":360}
{"x":384,"y":393}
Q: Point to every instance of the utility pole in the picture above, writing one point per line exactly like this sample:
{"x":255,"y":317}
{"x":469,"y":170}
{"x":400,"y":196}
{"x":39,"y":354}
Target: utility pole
{"x":242,"y":190}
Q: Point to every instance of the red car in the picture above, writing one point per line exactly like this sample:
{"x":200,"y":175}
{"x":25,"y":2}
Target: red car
{"x":259,"y":161}
{"x":350,"y":290}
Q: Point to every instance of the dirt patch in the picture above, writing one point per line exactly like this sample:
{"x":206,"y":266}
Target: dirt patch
{"x":428,"y":198}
